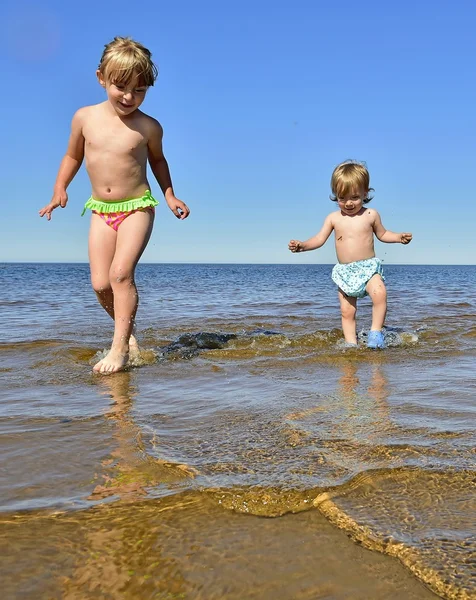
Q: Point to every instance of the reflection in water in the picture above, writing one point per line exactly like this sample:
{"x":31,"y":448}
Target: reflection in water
{"x":365,"y":413}
{"x":131,"y":469}
{"x":377,"y":388}
{"x":114,"y":554}
{"x":121,"y":477}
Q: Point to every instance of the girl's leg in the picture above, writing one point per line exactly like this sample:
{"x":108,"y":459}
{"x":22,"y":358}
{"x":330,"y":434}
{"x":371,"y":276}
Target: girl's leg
{"x":132,"y":237}
{"x":102,"y":246}
{"x":378,"y":293}
{"x":348,"y":308}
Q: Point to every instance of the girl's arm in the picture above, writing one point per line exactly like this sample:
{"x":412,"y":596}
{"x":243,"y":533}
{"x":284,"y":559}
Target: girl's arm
{"x":69,"y":166}
{"x":160,"y":169}
{"x":316,"y":241}
{"x":389,"y":237}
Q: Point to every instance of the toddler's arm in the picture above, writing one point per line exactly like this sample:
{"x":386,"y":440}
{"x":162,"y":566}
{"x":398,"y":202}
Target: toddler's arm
{"x":69,"y":166}
{"x":389,"y":237}
{"x":160,"y":169}
{"x":316,"y":241}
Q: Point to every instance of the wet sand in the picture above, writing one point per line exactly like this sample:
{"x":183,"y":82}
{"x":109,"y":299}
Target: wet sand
{"x":188,"y":547}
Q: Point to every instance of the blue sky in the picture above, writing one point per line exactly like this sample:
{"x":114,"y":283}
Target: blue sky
{"x":259,"y":101}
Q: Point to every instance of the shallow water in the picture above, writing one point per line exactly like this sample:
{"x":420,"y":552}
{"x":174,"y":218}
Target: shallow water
{"x":244,"y":405}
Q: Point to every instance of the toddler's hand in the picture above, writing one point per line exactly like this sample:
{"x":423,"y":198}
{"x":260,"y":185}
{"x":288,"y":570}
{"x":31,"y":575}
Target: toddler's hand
{"x":295,"y":246}
{"x":59,"y":199}
{"x":406,"y":238}
{"x":179,"y":208}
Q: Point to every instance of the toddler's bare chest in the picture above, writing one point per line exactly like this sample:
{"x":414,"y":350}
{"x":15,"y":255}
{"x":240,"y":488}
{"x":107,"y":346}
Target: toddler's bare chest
{"x":347,"y":229}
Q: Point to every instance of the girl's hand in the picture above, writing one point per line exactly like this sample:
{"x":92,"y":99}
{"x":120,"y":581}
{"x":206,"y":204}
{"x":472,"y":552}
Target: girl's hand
{"x":60,"y":198}
{"x":179,"y":208}
{"x":295,"y":246}
{"x":406,"y":238}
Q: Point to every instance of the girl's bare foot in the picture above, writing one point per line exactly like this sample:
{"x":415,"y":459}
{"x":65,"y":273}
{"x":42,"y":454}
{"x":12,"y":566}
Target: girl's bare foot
{"x":113,"y":362}
{"x":134,"y":350}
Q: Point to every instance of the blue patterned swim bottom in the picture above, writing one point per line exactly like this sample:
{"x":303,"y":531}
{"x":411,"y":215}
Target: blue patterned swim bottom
{"x":353,"y":277}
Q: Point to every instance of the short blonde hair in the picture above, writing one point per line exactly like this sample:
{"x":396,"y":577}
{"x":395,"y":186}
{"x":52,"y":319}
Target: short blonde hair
{"x":124,"y":59}
{"x":350,"y":176}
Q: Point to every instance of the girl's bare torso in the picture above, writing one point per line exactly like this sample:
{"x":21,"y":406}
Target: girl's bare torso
{"x":115,"y":152}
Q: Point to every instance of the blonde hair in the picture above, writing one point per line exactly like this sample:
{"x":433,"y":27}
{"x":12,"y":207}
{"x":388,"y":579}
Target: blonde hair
{"x":124,"y":59}
{"x":350,"y":176}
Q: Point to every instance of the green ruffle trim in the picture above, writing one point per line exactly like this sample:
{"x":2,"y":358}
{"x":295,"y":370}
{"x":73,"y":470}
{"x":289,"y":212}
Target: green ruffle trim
{"x":103,"y":206}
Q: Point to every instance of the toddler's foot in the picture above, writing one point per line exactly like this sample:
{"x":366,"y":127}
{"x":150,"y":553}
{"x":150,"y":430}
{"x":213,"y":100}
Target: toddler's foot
{"x":113,"y":362}
{"x":375,"y":339}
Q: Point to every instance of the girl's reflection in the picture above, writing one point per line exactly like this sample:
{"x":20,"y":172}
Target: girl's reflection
{"x":131,"y":468}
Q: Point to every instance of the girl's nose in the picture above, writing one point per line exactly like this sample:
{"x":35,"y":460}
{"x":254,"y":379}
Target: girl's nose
{"x":127,"y":95}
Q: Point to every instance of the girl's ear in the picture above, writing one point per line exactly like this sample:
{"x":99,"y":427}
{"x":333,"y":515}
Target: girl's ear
{"x":100,"y":78}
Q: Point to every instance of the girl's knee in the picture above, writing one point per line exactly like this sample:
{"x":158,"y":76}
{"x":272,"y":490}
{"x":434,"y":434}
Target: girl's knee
{"x":119,"y":274}
{"x":100,"y":285}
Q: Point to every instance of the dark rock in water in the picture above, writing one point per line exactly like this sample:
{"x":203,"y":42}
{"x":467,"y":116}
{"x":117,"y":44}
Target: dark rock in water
{"x":204,"y":340}
{"x":189,"y":344}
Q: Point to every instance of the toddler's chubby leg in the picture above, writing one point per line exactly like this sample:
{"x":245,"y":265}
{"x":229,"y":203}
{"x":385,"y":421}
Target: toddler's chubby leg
{"x":348,"y":308}
{"x":132,"y":237}
{"x":378,"y":293}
